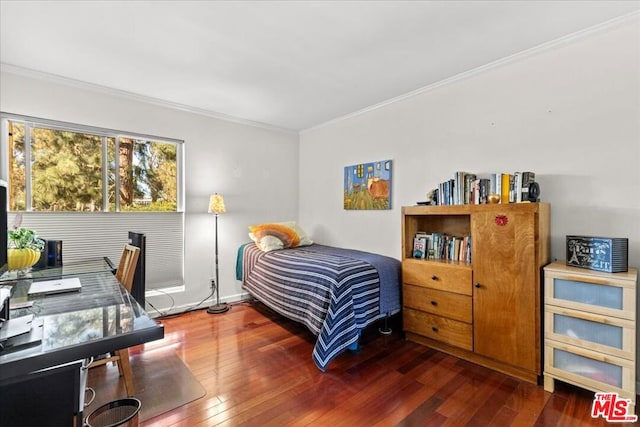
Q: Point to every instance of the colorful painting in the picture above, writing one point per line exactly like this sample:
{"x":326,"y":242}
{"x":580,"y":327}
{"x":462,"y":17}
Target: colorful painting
{"x":367,"y":186}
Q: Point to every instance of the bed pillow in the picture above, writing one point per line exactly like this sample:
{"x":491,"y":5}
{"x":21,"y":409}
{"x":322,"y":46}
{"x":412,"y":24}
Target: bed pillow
{"x":278,"y":235}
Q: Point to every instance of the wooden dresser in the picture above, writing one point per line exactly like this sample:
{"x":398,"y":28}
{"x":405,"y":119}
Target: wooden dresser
{"x":487,"y":310}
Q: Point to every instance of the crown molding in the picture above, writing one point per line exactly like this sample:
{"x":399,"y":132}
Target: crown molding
{"x":54,"y":78}
{"x":483,"y":68}
{"x":13,"y":69}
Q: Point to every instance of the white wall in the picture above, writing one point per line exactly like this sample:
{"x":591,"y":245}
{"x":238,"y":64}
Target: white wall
{"x":253,"y":167}
{"x":569,"y":112}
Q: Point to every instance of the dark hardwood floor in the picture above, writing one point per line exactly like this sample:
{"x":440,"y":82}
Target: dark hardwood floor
{"x":257,"y":369}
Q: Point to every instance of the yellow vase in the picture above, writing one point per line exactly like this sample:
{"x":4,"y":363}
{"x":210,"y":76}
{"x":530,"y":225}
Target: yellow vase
{"x":19,"y":259}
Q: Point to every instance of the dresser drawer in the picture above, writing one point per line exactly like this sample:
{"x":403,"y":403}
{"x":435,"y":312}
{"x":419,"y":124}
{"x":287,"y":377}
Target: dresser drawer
{"x":441,"y":303}
{"x":591,"y":294}
{"x":452,"y":332}
{"x":582,"y":366}
{"x":599,"y":333}
{"x":436,"y":275}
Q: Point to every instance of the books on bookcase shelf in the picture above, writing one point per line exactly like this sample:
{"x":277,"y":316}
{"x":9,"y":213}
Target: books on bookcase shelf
{"x":470,"y":188}
{"x":440,"y":246}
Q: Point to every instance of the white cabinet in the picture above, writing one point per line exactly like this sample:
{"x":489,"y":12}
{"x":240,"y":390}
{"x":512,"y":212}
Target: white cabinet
{"x":590,"y":329}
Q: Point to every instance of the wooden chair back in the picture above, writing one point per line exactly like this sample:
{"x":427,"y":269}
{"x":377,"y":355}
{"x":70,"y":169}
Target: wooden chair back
{"x":125,"y":273}
{"x":127,"y":266}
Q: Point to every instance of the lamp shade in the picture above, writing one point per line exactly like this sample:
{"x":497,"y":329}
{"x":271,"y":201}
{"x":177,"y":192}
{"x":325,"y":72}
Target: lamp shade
{"x":216,"y":204}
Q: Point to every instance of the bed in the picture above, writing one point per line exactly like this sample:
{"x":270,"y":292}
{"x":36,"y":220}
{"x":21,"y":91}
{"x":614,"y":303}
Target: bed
{"x":334,"y":292}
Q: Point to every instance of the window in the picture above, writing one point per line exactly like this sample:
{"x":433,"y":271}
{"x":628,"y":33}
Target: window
{"x":67,"y":183}
{"x":68,"y":169}
{"x":147,"y":171}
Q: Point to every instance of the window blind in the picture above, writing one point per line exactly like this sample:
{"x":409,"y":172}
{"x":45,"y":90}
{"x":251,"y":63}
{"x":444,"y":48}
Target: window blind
{"x":98,"y":234}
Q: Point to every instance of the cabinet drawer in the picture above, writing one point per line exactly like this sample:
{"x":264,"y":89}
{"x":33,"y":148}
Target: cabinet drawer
{"x":600,"y":333}
{"x":597,"y":296}
{"x":592,"y":369}
{"x":445,"y":277}
{"x":452,"y":332}
{"x":447,"y":304}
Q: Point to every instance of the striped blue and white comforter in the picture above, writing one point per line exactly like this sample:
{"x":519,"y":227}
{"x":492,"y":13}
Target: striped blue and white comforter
{"x":334,"y":292}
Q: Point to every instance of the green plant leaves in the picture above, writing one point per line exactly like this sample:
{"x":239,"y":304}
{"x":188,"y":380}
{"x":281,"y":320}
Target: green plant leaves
{"x":25,"y":238}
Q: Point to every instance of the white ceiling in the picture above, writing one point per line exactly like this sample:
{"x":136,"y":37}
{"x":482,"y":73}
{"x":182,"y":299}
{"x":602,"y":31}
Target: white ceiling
{"x":288,"y":64}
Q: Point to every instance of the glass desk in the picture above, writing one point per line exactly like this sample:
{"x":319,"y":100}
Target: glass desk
{"x":90,"y":265}
{"x":99,"y":318}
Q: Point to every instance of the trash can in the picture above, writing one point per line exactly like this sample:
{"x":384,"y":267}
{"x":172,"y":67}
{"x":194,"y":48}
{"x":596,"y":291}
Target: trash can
{"x":122,"y":412}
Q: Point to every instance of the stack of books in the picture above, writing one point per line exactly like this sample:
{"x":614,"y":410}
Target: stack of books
{"x":440,"y":246}
{"x":469,"y":189}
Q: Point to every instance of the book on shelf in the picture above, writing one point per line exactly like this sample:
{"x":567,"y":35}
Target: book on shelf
{"x":505,"y":186}
{"x":498,"y":179}
{"x":493,"y":184}
{"x":480,"y":192}
{"x":462,"y":187}
{"x":468,"y":187}
{"x":420,"y":246}
{"x":447,"y":192}
{"x":528,"y":178}
{"x":458,"y":179}
{"x":436,"y":246}
{"x":430,"y":250}
{"x":475,"y":197}
{"x":484,"y":190}
{"x":455,"y":248}
{"x":467,"y":251}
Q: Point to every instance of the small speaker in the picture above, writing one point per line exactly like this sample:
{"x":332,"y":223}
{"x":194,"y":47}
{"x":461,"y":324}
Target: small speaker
{"x":54,"y":253}
{"x":43,"y":261}
{"x":534,"y":192}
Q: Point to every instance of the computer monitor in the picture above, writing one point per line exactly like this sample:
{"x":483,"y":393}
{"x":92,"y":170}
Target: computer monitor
{"x":3,"y":226}
{"x":4,"y":293}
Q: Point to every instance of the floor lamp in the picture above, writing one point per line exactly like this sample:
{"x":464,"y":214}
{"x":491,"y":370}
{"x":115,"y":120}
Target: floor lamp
{"x":216,"y":207}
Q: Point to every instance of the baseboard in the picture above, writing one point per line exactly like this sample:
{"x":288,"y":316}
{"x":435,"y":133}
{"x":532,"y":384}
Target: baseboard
{"x":164,"y":291}
{"x":155,"y":312}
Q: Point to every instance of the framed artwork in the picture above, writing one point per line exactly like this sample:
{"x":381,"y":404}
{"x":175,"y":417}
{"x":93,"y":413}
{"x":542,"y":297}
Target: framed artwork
{"x":367,"y":186}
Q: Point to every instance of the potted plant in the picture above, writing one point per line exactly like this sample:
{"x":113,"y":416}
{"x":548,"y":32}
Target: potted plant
{"x":23,"y":249}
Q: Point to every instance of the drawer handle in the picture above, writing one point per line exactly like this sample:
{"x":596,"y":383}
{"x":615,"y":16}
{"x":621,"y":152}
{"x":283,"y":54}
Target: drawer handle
{"x":587,"y":316}
{"x":434,"y":328}
{"x":478,"y":285}
{"x":434,"y":277}
{"x":434,"y":303}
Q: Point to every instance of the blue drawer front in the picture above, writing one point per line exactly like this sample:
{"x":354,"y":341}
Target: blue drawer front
{"x":588,"y":368}
{"x":587,"y":330}
{"x":588,"y":293}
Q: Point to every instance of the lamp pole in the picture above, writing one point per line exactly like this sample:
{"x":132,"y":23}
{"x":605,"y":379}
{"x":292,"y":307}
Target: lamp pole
{"x":218,"y":307}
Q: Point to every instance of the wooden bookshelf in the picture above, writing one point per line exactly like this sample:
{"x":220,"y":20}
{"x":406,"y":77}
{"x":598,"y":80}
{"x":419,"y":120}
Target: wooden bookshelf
{"x":486,"y":311}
